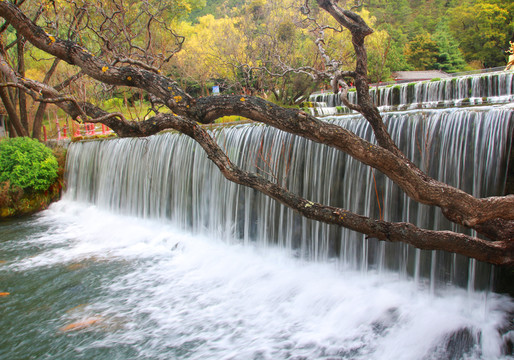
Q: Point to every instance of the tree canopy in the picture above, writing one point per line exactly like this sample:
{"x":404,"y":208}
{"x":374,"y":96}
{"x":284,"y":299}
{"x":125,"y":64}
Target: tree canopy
{"x":259,"y":38}
{"x":88,"y":45}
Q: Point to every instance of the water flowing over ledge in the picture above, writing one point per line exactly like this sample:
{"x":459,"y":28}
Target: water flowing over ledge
{"x":490,"y":88}
{"x":169,"y":177}
{"x":151,"y":254}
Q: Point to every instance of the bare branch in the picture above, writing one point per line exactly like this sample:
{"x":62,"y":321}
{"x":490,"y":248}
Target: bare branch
{"x":120,"y":59}
{"x":338,"y":81}
{"x":493,"y":216}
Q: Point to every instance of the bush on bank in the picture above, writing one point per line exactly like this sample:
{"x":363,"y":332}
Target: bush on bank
{"x":30,"y":176}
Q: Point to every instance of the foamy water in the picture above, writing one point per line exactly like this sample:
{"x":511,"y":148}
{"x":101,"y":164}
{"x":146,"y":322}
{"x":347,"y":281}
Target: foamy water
{"x":145,"y":290}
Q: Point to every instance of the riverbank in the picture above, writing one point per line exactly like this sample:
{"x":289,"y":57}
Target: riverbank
{"x":14,"y":202}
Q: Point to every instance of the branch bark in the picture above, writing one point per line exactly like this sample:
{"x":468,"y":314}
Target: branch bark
{"x":38,"y":118}
{"x":493,"y":216}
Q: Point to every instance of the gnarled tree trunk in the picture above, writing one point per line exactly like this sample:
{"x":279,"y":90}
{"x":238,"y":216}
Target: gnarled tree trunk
{"x":492,"y":217}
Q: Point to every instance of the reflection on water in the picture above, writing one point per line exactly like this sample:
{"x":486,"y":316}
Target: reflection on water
{"x":86,"y":284}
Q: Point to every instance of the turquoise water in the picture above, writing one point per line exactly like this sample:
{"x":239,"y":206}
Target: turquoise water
{"x":45,"y":297}
{"x":88,"y":284}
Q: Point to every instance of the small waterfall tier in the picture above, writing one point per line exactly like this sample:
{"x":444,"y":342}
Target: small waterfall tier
{"x":488,"y":88}
{"x":169,"y":177}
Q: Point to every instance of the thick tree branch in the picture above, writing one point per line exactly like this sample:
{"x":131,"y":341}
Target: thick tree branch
{"x":500,"y":252}
{"x":493,"y":216}
{"x":338,"y":81}
{"x":462,"y":207}
{"x":173,"y":96}
{"x":359,"y":30}
{"x":11,"y":111}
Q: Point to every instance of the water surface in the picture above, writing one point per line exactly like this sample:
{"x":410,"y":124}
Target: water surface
{"x":88,"y":284}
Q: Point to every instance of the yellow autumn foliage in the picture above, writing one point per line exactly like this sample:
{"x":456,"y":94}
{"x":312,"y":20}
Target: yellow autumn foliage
{"x":211,"y":47}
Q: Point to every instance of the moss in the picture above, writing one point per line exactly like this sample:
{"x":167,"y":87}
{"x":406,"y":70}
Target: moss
{"x":307,"y":104}
{"x":436,"y":79}
{"x":6,"y":212}
{"x":93,"y":137}
{"x":230,"y":119}
{"x":32,"y":202}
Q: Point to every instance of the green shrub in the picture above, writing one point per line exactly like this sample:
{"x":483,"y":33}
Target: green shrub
{"x":27,"y":163}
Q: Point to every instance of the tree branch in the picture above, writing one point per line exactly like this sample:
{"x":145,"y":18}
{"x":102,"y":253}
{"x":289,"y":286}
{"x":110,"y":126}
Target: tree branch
{"x":338,"y":81}
{"x":494,"y":252}
{"x":493,"y":216}
{"x":173,"y":96}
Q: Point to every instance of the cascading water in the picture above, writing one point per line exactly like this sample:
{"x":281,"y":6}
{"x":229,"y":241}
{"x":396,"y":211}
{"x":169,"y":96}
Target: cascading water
{"x":130,"y":263}
{"x":490,"y":88}
{"x":169,"y":176}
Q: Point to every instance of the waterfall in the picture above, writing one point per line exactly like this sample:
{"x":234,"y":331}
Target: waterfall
{"x":491,"y":88}
{"x":169,"y":177}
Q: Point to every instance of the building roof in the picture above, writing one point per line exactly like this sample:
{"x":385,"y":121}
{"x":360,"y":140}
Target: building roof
{"x":419,"y":75}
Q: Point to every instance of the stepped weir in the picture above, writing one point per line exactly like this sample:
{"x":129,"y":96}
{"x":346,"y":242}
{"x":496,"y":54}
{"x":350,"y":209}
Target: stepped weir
{"x":487,"y":88}
{"x":169,"y":177}
{"x":152,"y":254}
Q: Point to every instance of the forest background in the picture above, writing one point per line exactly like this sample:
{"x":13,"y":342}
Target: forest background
{"x":233,"y":37}
{"x":250,"y":46}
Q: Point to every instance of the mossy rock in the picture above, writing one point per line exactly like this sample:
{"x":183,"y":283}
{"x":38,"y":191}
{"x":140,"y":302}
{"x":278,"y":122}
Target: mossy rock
{"x":32,"y":202}
{"x":6,"y":212}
